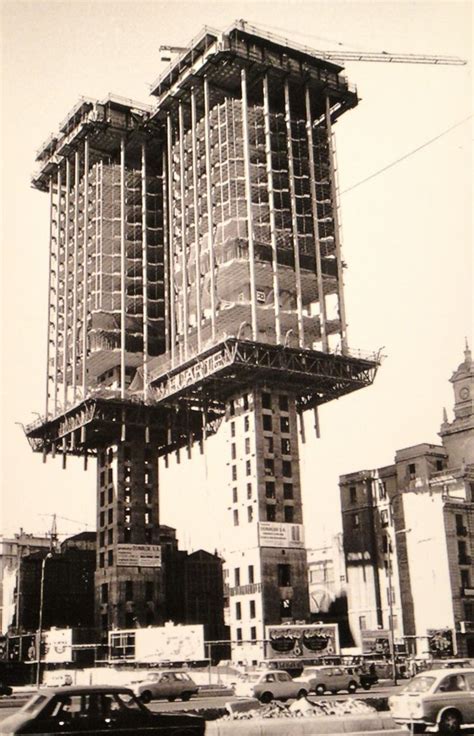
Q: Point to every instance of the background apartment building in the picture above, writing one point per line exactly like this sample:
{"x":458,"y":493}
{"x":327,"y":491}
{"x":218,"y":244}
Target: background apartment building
{"x":409,"y":533}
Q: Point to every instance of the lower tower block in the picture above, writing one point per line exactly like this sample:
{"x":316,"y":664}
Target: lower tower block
{"x":265,"y":556}
{"x":128,"y":578}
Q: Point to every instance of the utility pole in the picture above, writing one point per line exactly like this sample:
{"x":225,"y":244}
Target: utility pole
{"x":40,"y":620}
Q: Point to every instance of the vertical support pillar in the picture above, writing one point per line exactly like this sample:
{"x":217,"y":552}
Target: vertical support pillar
{"x":166,"y":281}
{"x":169,"y":133}
{"x":294,"y":219}
{"x":196,"y":218}
{"x":248,"y":197}
{"x":123,"y":264}
{"x":75,"y":281}
{"x":184,"y":270}
{"x":100,"y":166}
{"x":96,"y":236}
{"x":48,"y":336}
{"x":337,"y":235}
{"x":210,"y":220}
{"x":85,"y":290}
{"x":58,"y":266}
{"x":66,"y":282}
{"x":314,"y":207}
{"x":144,"y":272}
{"x":271,"y":207}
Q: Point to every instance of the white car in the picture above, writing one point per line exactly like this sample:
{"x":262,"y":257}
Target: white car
{"x":268,"y":685}
{"x":165,"y":684}
{"x":442,"y":698}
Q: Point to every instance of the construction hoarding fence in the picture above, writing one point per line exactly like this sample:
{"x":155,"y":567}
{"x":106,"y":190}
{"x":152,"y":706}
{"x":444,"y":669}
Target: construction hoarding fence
{"x":156,"y":644}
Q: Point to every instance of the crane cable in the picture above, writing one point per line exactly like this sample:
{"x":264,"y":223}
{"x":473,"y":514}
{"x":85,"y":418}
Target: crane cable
{"x":406,"y":155}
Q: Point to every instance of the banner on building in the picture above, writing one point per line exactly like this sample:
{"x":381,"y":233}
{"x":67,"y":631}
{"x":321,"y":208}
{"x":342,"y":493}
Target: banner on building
{"x":302,"y":641}
{"x":376,"y":641}
{"x":57,"y":645}
{"x":273,"y":534}
{"x":139,"y":555}
{"x":440,"y":642}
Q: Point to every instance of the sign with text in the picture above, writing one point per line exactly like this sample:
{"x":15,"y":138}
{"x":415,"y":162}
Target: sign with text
{"x":273,"y":534}
{"x":375,"y":641}
{"x":139,"y":555}
{"x":302,"y":641}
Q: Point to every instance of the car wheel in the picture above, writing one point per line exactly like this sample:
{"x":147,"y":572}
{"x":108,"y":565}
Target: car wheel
{"x":302,"y":694}
{"x":352,"y":687}
{"x":185,"y":697}
{"x":320,"y":689}
{"x":266,"y":697}
{"x":450,"y":722}
{"x":171,"y":700}
{"x":145,"y":697}
{"x":366,"y":686}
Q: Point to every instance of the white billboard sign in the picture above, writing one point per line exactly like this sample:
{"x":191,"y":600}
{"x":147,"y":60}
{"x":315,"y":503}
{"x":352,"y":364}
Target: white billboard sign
{"x":139,"y":555}
{"x":273,"y":534}
{"x":169,"y":643}
{"x":57,"y":645}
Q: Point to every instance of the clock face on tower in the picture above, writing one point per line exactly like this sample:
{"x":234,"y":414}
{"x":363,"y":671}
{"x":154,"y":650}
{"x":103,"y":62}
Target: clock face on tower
{"x":464,"y":392}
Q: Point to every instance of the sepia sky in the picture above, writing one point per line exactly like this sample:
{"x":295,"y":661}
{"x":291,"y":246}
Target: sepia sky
{"x":407,"y":233}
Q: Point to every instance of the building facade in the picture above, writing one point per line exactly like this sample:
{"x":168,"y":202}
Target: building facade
{"x":409,"y":537}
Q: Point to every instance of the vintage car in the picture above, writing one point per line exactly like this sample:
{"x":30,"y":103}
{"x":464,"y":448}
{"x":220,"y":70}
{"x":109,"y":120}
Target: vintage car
{"x":330,"y":678}
{"x":96,"y":710}
{"x":165,"y":684}
{"x":442,"y":698}
{"x":268,"y":685}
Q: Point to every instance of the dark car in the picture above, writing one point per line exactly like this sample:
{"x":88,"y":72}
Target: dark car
{"x":95,"y":710}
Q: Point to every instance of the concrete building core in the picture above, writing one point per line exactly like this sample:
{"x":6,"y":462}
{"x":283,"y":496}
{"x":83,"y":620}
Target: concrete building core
{"x":196,"y":278}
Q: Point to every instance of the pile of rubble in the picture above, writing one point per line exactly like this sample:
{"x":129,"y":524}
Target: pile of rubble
{"x":303,"y":708}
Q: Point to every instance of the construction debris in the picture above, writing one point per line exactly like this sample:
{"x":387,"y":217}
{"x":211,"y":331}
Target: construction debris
{"x":304,"y":708}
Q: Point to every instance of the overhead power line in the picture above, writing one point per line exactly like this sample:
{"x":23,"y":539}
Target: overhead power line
{"x":406,"y":155}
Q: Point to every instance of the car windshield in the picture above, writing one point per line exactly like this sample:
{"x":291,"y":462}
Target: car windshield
{"x":420,"y":684}
{"x":182,"y":676}
{"x":33,"y":705}
{"x":127,"y":701}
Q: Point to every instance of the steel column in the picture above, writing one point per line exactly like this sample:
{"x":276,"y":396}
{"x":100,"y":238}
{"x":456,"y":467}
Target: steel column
{"x":66,"y":281}
{"x":48,"y":336}
{"x":248,"y":197}
{"x":271,"y":207}
{"x":144,"y":271}
{"x":75,"y":284}
{"x":169,"y":133}
{"x":58,"y":248}
{"x":314,"y":206}
{"x":184,"y":270}
{"x":196,"y":218}
{"x":210,"y":222}
{"x":164,"y":192}
{"x":85,"y":294}
{"x":337,"y":237}
{"x":123,"y":265}
{"x":294,"y":219}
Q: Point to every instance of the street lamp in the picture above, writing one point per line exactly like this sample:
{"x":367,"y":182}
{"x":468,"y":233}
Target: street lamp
{"x":40,"y":619}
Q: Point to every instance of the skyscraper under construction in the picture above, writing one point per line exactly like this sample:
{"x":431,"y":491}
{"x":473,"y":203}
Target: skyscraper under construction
{"x":196,"y":285}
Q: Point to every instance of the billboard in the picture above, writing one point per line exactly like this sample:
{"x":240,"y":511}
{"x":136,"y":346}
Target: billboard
{"x":440,"y":642}
{"x":302,"y":641}
{"x":168,"y":643}
{"x":57,"y":645}
{"x":139,"y":555}
{"x":375,"y":641}
{"x":273,"y":534}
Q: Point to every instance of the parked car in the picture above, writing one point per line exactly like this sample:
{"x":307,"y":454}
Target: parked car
{"x":329,"y":677}
{"x":5,"y":689}
{"x":366,"y":679}
{"x":442,"y":698}
{"x":96,"y":710}
{"x":167,"y":684}
{"x":268,"y":685}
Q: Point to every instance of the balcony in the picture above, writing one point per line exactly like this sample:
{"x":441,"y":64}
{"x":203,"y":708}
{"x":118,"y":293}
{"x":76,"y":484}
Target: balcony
{"x":467,"y":592}
{"x":249,"y":589}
